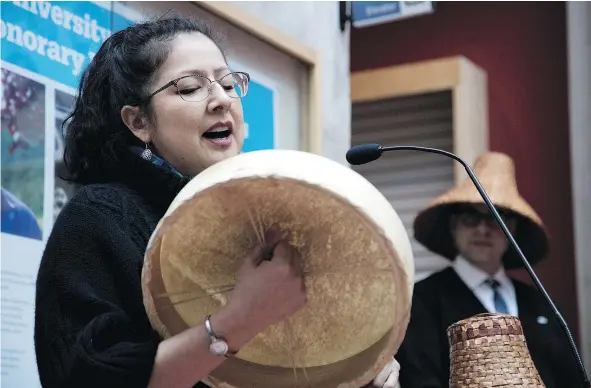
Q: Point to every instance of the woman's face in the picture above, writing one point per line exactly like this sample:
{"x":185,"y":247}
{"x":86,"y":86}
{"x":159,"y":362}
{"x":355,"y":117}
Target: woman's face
{"x":176,"y":129}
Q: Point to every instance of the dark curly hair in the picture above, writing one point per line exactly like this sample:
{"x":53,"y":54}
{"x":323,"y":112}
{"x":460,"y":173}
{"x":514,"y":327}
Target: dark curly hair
{"x":118,"y":75}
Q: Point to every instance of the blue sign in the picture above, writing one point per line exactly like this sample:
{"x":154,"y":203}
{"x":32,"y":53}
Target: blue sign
{"x":259,"y":120}
{"x":55,"y":39}
{"x":369,"y":13}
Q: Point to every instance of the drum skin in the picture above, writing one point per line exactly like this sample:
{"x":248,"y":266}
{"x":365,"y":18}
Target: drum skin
{"x":356,"y":257}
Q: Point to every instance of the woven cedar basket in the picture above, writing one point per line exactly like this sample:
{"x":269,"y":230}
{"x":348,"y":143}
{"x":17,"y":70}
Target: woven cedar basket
{"x":489,"y":350}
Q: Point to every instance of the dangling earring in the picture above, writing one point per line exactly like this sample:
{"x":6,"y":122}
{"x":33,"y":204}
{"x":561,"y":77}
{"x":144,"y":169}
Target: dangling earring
{"x":147,"y":153}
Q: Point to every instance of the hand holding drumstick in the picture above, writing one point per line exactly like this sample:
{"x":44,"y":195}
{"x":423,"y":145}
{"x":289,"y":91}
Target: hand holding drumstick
{"x":270,"y":284}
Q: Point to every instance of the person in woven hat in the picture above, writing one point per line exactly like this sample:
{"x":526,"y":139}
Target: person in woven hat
{"x":459,"y":227}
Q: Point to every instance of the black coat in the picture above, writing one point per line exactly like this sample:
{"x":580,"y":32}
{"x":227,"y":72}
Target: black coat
{"x":91,"y":326}
{"x":443,"y":299}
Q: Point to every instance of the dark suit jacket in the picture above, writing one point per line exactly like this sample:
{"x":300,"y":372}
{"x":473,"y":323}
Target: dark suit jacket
{"x":443,"y":299}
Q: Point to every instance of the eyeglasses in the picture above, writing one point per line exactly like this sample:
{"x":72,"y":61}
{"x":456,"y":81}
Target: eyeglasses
{"x":473,"y":218}
{"x":195,"y":88}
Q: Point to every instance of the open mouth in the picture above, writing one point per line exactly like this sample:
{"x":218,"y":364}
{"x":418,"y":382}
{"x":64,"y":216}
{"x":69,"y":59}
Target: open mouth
{"x":217,"y":133}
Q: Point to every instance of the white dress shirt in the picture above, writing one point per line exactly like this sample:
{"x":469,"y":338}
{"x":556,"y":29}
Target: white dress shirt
{"x":475,"y":279}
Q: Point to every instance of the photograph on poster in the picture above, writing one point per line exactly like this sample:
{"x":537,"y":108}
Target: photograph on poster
{"x":63,"y":190}
{"x":23,"y":155}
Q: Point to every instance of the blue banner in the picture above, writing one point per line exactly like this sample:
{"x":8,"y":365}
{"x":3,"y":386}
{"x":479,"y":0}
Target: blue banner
{"x":58,"y":39}
{"x":55,"y":39}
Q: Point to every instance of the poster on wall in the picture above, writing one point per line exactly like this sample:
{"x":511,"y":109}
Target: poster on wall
{"x":45,"y":48}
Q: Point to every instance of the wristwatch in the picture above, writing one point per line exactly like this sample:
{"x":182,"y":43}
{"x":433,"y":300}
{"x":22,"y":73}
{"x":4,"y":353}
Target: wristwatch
{"x":217,"y":345}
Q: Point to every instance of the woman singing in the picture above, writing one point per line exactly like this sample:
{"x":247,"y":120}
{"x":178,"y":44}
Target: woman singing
{"x":157,"y":105}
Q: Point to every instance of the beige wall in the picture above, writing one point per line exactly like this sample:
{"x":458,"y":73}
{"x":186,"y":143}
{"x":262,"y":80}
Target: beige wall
{"x":316,"y":24}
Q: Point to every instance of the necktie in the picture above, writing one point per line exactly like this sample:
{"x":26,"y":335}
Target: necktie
{"x":500,"y":305}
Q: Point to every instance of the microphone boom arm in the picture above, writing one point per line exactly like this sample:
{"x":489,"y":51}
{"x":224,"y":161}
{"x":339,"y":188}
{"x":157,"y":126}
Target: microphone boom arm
{"x":513,"y":243}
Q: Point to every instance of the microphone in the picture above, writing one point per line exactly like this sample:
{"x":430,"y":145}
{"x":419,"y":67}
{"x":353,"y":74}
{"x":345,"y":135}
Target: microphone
{"x":365,"y":153}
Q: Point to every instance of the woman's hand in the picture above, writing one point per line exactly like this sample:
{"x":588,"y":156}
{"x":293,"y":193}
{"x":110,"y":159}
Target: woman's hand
{"x":388,"y":377}
{"x":268,"y":291}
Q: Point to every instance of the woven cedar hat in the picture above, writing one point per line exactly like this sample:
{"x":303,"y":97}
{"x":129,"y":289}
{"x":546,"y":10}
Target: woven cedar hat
{"x":489,"y":350}
{"x":496,"y":173}
{"x":356,"y":257}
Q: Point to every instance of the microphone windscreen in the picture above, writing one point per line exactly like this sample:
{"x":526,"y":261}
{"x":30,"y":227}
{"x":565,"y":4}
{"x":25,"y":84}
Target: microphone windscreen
{"x":363,"y":153}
